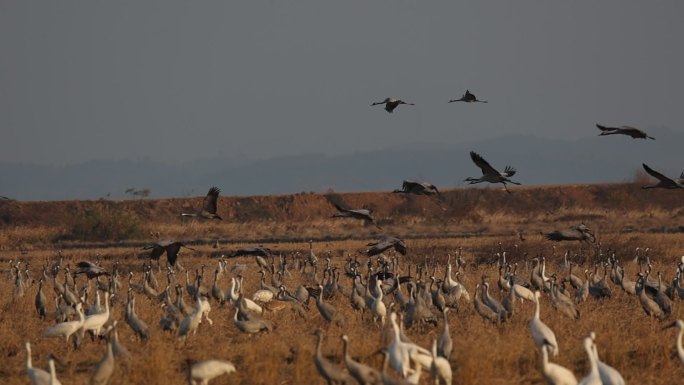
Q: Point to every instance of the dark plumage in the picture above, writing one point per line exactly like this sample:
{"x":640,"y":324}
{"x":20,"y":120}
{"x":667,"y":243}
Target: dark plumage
{"x":354,"y":213}
{"x":418,"y":188}
{"x":489,"y":173}
{"x":252,"y":251}
{"x":574,"y":233}
{"x":391,"y":104}
{"x":663,"y":181}
{"x":170,"y":247}
{"x":468,"y":97}
{"x":385,"y":243}
{"x":208,"y":210}
{"x":90,"y":269}
{"x":635,"y":133}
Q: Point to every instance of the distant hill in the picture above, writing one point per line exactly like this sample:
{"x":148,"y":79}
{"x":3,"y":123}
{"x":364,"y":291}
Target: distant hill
{"x":538,"y":160}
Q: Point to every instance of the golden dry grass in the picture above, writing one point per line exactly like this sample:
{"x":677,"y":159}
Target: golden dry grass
{"x":483,"y":353}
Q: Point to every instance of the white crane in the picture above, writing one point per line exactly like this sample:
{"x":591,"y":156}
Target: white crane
{"x":66,"y":329}
{"x":36,"y":375}
{"x":440,"y":368}
{"x":593,"y":378}
{"x":541,"y":333}
{"x":95,"y":322}
{"x":679,"y":324}
{"x":205,"y":371}
{"x":609,"y":375}
{"x":378,"y":307}
{"x":53,"y":375}
{"x":554,"y":373}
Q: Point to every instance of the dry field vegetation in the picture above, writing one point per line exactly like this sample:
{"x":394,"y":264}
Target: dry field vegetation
{"x":478,"y":221}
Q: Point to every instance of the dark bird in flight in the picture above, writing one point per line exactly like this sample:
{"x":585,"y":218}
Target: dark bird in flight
{"x":385,"y":243}
{"x":208,"y":210}
{"x":635,"y":133}
{"x":252,"y":251}
{"x":575,"y":233}
{"x":90,"y":269}
{"x":170,"y":247}
{"x":663,"y":181}
{"x":364,"y":214}
{"x":489,"y":173}
{"x":418,"y":188}
{"x":391,"y":104}
{"x":468,"y":97}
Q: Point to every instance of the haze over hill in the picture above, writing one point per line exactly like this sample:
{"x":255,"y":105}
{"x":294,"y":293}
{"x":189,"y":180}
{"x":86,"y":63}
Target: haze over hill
{"x":539,"y":161}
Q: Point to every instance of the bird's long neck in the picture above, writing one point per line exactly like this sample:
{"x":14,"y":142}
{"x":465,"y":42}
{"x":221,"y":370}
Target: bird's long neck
{"x":29,"y":363}
{"x":536,"y":306}
{"x":680,"y":348}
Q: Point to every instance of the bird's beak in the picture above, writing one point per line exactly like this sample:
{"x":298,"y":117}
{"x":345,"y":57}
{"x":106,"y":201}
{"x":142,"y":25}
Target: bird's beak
{"x":670,"y":325}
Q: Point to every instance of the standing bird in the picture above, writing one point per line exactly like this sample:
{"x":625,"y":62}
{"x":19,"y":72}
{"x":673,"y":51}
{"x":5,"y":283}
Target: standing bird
{"x":205,"y":371}
{"x":331,"y":373}
{"x":468,"y":97}
{"x":593,"y":378}
{"x":68,"y":328}
{"x":36,"y":375}
{"x":635,"y":133}
{"x":363,"y":214}
{"x":489,"y":173}
{"x":554,"y":373}
{"x":417,"y":188}
{"x":103,"y":370}
{"x":364,"y":374}
{"x":679,"y":324}
{"x":208,"y":210}
{"x":663,"y":181}
{"x":541,"y":333}
{"x":170,"y":247}
{"x":391,"y":104}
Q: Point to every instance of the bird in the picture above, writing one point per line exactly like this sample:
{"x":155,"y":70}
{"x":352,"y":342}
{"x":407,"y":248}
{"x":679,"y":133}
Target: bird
{"x":327,"y":370}
{"x":554,"y":373}
{"x":386,"y":242}
{"x":417,"y":188}
{"x":440,"y":368}
{"x":468,"y":97}
{"x":593,"y":377}
{"x":205,"y":371}
{"x":53,"y":375}
{"x":90,"y":269}
{"x":36,"y":375}
{"x":103,"y":370}
{"x":363,"y":214}
{"x":541,"y":333}
{"x":489,"y":173}
{"x":259,"y":251}
{"x":170,"y":247}
{"x":364,"y":374}
{"x":663,"y":181}
{"x":635,"y":133}
{"x":679,"y":324}
{"x":580,"y":233}
{"x":609,"y":375}
{"x":208,"y":210}
{"x":391,"y":104}
{"x":444,"y":343}
{"x":68,"y":328}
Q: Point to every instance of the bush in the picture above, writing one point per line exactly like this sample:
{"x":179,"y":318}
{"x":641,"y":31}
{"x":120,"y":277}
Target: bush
{"x":104,"y":223}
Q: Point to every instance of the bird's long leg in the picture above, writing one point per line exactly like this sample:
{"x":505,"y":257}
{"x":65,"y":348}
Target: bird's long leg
{"x":506,"y":188}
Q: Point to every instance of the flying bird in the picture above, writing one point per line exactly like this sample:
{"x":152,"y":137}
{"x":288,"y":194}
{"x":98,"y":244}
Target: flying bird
{"x":663,"y":181}
{"x":208,"y":210}
{"x":489,"y":173}
{"x":575,"y":233}
{"x":170,"y":247}
{"x":391,"y":104}
{"x":90,"y":269}
{"x":418,"y":188}
{"x":252,"y":251}
{"x":635,"y":133}
{"x":468,"y":97}
{"x":364,"y":214}
{"x":385,"y":243}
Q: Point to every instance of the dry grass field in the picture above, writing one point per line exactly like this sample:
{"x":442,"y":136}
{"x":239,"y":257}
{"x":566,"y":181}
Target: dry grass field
{"x":480,"y":222}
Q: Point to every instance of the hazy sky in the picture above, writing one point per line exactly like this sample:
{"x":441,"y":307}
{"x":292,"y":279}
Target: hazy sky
{"x":178,"y":80}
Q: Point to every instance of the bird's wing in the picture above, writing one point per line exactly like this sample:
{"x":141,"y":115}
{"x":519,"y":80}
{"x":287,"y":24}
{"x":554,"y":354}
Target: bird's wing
{"x":400,"y":246}
{"x":172,"y":252}
{"x":509,"y":171}
{"x":339,"y":208}
{"x":656,"y":174}
{"x":483,"y":164}
{"x":210,"y":200}
{"x":431,"y":187}
{"x":86,"y":265}
{"x":604,"y":128}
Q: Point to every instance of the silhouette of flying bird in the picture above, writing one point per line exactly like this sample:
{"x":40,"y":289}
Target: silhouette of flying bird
{"x":489,"y":173}
{"x":208,"y":210}
{"x":364,"y":214}
{"x":468,"y":97}
{"x":575,"y":233}
{"x":635,"y":133}
{"x":170,"y":247}
{"x":418,"y":188}
{"x":391,"y":104}
{"x":385,"y":243}
{"x":663,"y":181}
